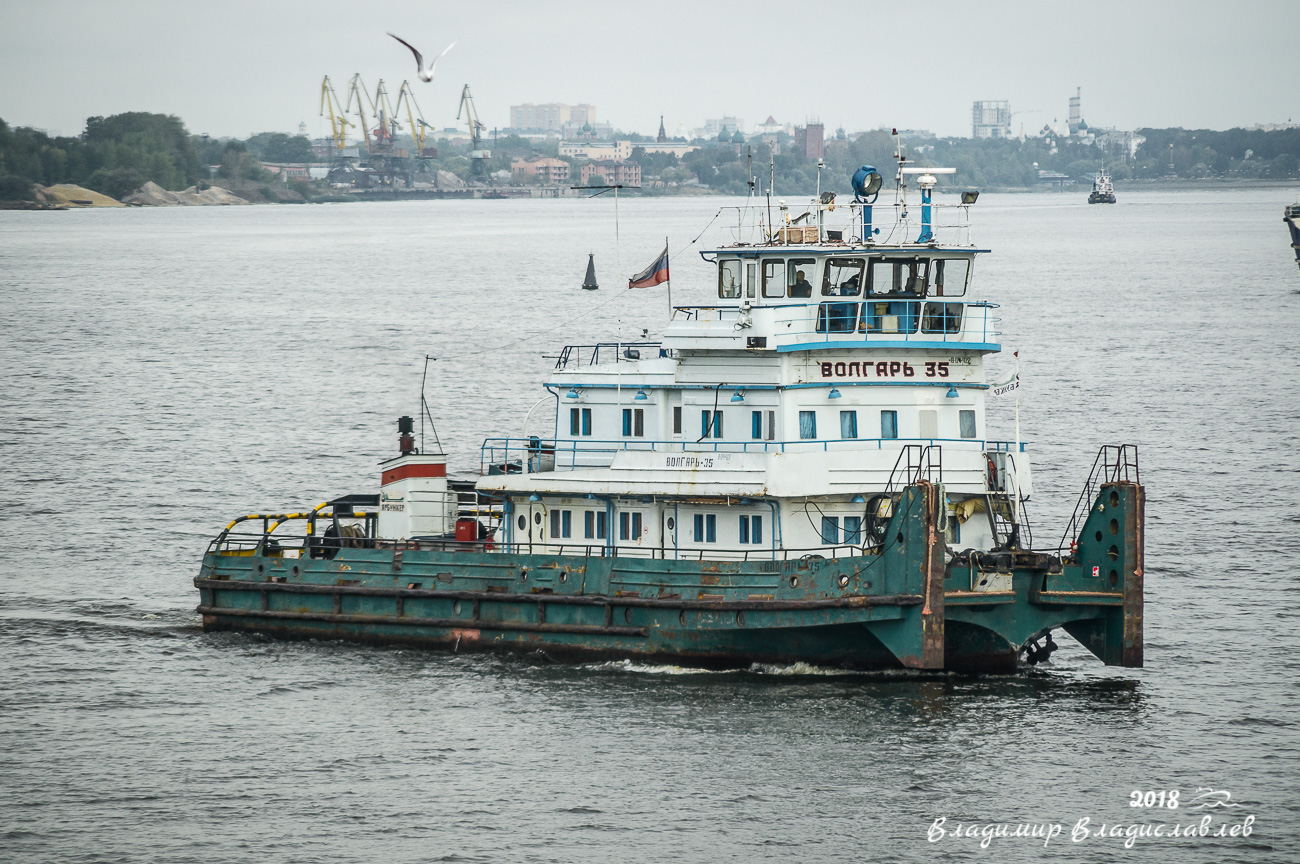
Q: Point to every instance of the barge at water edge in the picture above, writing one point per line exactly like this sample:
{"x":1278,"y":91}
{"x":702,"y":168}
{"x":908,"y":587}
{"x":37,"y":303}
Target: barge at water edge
{"x":798,"y":473}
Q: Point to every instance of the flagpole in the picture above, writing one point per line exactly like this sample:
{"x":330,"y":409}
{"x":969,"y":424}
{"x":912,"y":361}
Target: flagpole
{"x":670,"y":280}
{"x":1015,"y":479}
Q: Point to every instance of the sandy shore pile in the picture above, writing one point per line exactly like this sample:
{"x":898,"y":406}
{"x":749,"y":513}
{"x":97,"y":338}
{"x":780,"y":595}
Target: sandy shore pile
{"x":153,"y":195}
{"x":67,"y":195}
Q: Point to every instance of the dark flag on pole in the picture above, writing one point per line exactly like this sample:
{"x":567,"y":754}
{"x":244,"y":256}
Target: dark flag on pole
{"x":652,"y":275}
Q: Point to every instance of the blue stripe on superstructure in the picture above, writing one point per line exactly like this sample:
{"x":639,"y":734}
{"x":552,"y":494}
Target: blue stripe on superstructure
{"x":954,"y":346}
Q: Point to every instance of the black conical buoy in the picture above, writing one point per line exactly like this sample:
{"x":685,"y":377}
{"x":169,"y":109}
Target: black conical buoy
{"x":589,"y":284}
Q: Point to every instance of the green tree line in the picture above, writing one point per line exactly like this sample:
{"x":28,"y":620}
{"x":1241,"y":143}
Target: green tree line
{"x":117,"y":155}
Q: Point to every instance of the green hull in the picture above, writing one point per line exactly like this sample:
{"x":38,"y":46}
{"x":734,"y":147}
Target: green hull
{"x":902,"y":608}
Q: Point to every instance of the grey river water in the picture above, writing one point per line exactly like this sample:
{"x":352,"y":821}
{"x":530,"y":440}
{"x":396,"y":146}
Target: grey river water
{"x":162,"y":371}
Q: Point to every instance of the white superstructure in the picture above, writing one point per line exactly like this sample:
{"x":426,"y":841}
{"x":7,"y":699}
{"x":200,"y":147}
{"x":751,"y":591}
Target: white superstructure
{"x":833,"y":368}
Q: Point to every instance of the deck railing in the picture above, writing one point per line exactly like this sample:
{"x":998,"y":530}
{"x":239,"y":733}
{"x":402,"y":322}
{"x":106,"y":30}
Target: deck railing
{"x":538,"y":455}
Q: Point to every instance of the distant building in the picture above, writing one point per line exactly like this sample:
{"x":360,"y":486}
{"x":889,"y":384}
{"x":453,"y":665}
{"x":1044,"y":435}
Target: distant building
{"x":550,"y":170}
{"x":675,"y":149}
{"x":914,"y":134}
{"x":610,"y":172}
{"x":550,"y":117}
{"x":662,"y":137}
{"x":771,"y":127}
{"x":1119,"y":142}
{"x":715,"y":127}
{"x":991,"y":119}
{"x":1076,"y":111}
{"x":616,"y":151}
{"x":586,"y":131}
{"x":811,"y":140}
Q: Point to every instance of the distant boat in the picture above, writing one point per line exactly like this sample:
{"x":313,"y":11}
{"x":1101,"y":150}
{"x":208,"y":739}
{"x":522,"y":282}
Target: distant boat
{"x":1103,"y":191}
{"x":589,"y":284}
{"x":1291,"y":216}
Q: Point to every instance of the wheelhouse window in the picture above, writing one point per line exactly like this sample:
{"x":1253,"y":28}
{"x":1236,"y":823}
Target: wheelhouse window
{"x":893,"y":316}
{"x":751,"y":278}
{"x":941,"y":318}
{"x":751,"y":529}
{"x":843,"y":277}
{"x":799,"y":273}
{"x":949,"y":277}
{"x":729,"y":278}
{"x":838,"y":317}
{"x":895,"y":277}
{"x":774,"y":277}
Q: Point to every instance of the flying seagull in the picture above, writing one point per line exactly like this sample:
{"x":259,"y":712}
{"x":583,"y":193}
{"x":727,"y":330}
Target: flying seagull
{"x":425,"y":75}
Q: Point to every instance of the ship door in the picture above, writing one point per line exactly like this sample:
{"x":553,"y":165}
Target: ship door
{"x":530,"y":524}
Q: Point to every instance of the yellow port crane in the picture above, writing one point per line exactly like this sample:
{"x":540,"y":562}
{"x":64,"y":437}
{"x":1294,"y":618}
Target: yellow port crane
{"x":357,"y":92}
{"x":414,"y":116}
{"x":329,"y":102}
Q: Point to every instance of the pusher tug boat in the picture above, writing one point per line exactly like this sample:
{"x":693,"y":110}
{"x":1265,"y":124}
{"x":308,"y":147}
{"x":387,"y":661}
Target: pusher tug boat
{"x":797,"y":474}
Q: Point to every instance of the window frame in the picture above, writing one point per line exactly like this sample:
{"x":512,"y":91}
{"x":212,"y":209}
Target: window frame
{"x":850,"y":415}
{"x":833,"y":524}
{"x":829,"y":290}
{"x":962,"y":415}
{"x":724,"y":265}
{"x":776,"y":280}
{"x":794,"y":265}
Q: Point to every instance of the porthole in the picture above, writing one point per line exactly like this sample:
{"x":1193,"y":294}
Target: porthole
{"x":455,"y":608}
{"x":1114,"y":498}
{"x":740,"y":619}
{"x":261,"y":568}
{"x":537,"y":518}
{"x":1114,"y":579}
{"x":1113,"y":553}
{"x":899,"y":538}
{"x":627,"y":614}
{"x":681,"y":617}
{"x":843,"y":581}
{"x":1114,"y":526}
{"x":794,"y":581}
{"x":1098,"y":536}
{"x":564,"y":576}
{"x":523,"y":522}
{"x":294,"y":570}
{"x":523,"y":575}
{"x":671,"y":523}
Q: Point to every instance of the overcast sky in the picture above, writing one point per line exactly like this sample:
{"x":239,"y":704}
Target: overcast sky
{"x":232,"y":67}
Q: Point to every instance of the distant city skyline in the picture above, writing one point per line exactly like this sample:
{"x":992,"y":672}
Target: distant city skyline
{"x":254,"y":67}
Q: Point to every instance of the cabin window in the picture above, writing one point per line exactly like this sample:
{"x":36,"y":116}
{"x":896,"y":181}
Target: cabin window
{"x":967,"y":422}
{"x":751,"y":278}
{"x":579,"y":421}
{"x":706,"y":528}
{"x":729,"y":278}
{"x":843,"y":277}
{"x":893,"y":316}
{"x":853,"y":530}
{"x":807,"y":424}
{"x":929,"y":421}
{"x":751,"y":529}
{"x":848,"y":424}
{"x":888,"y":424}
{"x":593,"y":525}
{"x":633,"y":422}
{"x":830,"y":530}
{"x":771,"y":425}
{"x":629,"y":525}
{"x":898,"y":276}
{"x":677,"y":419}
{"x":756,"y":425}
{"x":774,"y":278}
{"x":941,"y":318}
{"x":837,"y":317}
{"x":561,"y":524}
{"x":710,"y":424}
{"x":949,"y":277}
{"x":799,"y":273}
